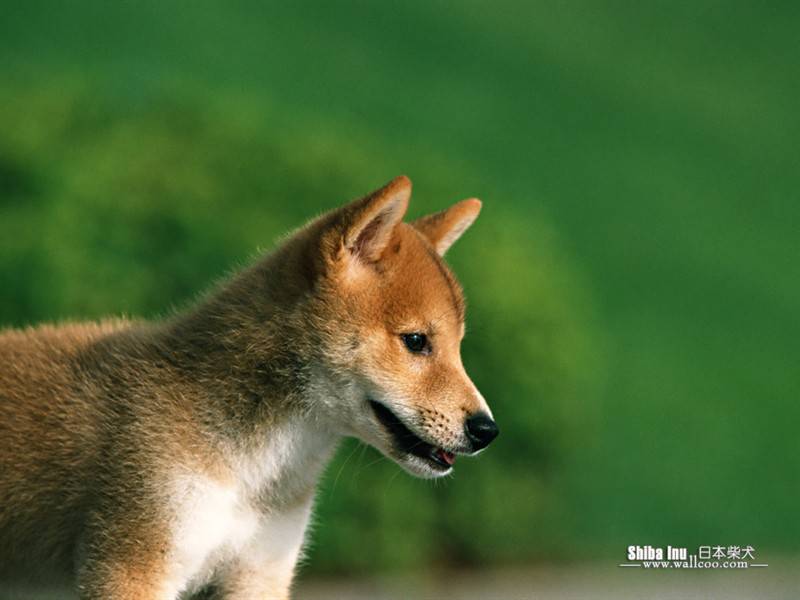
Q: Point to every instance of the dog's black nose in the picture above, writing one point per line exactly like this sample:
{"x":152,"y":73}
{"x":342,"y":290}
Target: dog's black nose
{"x":481,"y":430}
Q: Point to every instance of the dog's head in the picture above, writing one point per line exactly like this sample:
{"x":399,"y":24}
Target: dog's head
{"x":393,"y":325}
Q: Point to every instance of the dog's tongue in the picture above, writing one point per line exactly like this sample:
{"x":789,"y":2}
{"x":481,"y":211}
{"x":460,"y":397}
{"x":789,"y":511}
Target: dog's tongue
{"x":446,"y":456}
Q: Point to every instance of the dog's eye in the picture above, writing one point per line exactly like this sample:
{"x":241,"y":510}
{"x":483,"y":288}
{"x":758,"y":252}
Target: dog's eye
{"x":416,"y":342}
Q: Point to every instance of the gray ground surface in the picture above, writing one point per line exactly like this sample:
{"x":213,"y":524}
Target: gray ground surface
{"x":589,"y":582}
{"x":601,"y":582}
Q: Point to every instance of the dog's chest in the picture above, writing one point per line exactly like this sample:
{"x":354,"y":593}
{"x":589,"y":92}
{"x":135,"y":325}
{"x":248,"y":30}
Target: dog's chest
{"x":213,"y":523}
{"x":217,"y":525}
{"x":260,"y":515}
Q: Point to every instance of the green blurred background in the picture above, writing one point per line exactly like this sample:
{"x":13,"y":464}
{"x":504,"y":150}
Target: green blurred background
{"x":633,"y":280}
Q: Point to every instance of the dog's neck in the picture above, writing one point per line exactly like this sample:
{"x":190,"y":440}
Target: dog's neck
{"x":252,"y":352}
{"x":249,"y":339}
{"x":283,"y":467}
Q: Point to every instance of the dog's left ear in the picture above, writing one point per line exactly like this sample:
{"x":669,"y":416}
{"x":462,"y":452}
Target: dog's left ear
{"x":370,"y":222}
{"x":442,"y":229}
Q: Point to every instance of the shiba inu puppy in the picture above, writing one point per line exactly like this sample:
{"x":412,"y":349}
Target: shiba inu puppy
{"x":178,"y":458}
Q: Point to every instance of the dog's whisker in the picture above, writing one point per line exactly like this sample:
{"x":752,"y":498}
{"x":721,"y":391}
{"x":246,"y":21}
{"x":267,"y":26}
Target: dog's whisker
{"x":341,"y":468}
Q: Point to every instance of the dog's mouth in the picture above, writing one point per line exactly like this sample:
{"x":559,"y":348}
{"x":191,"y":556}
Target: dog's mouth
{"x":408,"y":442}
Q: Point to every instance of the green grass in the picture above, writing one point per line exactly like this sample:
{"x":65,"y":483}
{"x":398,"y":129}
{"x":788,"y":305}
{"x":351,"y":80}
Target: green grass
{"x":632,"y":281}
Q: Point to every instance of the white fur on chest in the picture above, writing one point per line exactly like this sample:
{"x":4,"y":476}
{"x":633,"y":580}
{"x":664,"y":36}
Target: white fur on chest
{"x":258,"y":517}
{"x":213,"y":524}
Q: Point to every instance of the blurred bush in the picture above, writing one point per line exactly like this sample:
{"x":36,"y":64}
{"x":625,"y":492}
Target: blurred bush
{"x":659,"y":140}
{"x":116,"y":206}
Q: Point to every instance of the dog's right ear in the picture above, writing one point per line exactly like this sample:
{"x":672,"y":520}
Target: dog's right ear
{"x":365,"y":227}
{"x":444,"y":228}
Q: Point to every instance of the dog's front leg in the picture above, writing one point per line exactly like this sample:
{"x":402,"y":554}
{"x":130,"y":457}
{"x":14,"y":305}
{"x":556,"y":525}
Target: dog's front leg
{"x":126,"y":564}
{"x":248,"y":582}
{"x":128,"y":548}
{"x":101,"y":580}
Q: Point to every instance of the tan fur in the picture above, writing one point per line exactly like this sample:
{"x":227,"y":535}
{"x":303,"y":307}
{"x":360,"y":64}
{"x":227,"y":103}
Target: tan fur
{"x":126,"y":447}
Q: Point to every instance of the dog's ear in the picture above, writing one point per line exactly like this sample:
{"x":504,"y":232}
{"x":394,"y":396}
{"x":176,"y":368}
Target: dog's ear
{"x":442,"y":229}
{"x":367,"y":224}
